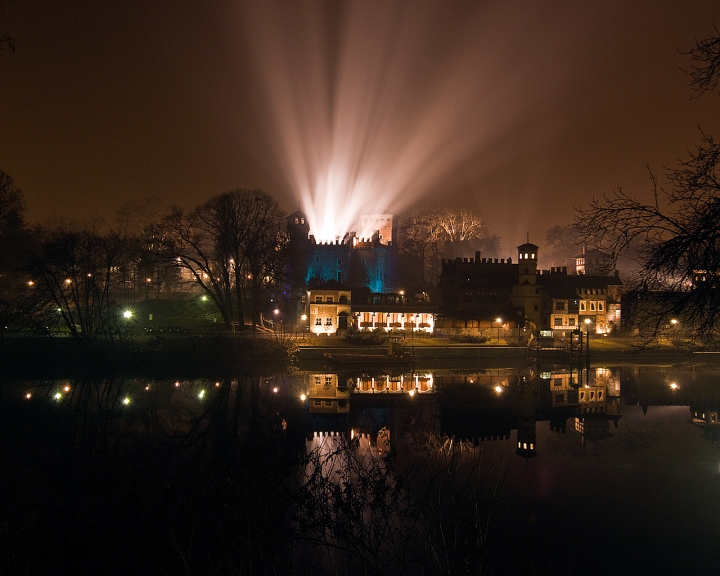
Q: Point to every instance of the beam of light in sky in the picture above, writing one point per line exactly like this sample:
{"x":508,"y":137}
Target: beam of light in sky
{"x":376,"y":106}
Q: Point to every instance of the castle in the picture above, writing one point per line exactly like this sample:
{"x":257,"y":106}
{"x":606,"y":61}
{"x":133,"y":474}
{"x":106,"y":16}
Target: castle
{"x":367,"y":259}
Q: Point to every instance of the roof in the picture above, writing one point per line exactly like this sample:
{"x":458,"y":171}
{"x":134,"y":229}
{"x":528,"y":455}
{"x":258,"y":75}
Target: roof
{"x":331,"y":285}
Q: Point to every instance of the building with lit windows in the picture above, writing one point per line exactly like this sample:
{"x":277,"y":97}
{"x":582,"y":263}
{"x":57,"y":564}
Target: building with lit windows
{"x":481,"y":290}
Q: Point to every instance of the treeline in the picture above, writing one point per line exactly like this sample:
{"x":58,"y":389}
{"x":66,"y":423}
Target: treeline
{"x":77,"y":277}
{"x":234,"y":248}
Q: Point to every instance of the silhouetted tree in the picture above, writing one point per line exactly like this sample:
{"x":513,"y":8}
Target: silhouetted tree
{"x":140,"y":223}
{"x":75,"y":278}
{"x":437,"y":233}
{"x":16,"y":242}
{"x":680,"y":254}
{"x":563,"y":244}
{"x":234,"y":246}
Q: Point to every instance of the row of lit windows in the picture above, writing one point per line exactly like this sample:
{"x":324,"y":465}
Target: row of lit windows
{"x":328,"y":322}
{"x":591,"y":291}
{"x":600,"y":306}
{"x":330,"y":299}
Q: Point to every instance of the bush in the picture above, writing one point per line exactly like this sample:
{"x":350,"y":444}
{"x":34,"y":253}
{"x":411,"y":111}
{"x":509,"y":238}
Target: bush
{"x":366,"y":338}
{"x":468,"y":338}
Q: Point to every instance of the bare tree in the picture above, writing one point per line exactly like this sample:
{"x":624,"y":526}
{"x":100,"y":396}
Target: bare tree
{"x":75,"y":274}
{"x":234,"y":246}
{"x":563,"y":244}
{"x":432,"y":234}
{"x":679,"y":273}
{"x":705,"y":69}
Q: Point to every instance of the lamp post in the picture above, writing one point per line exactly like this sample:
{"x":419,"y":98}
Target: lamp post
{"x":674,"y":323}
{"x":499,"y":321}
{"x":588,"y":321}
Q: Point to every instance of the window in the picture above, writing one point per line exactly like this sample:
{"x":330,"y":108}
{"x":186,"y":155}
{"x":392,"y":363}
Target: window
{"x":318,"y":299}
{"x":558,"y":382}
{"x":582,"y":306}
{"x":557,"y":322}
{"x":328,"y":321}
{"x":560,"y":305}
{"x":571,"y":321}
{"x":318,"y":321}
{"x":582,"y":395}
{"x":329,"y":299}
{"x":592,"y":306}
{"x":600,"y":306}
{"x":600,"y":395}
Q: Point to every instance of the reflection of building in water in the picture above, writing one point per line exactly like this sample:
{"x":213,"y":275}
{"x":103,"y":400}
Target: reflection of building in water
{"x":327,"y":395}
{"x":468,"y":406}
{"x":596,"y":407}
{"x":707,"y":418}
{"x":394,"y":384}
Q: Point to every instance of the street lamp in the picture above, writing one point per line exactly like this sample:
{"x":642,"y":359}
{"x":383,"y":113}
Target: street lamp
{"x":499,"y":321}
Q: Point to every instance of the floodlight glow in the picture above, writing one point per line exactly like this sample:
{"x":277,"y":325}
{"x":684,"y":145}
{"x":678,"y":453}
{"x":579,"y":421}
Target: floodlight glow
{"x":303,"y":397}
{"x":126,"y":401}
{"x":674,"y":385}
{"x":201,"y":394}
{"x":127,"y":314}
{"x":58,"y":395}
{"x":28,"y":395}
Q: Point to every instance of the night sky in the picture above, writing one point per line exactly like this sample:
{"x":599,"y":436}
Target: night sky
{"x":519,"y":110}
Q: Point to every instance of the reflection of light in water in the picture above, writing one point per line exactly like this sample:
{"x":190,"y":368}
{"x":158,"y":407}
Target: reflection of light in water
{"x":329,"y":448}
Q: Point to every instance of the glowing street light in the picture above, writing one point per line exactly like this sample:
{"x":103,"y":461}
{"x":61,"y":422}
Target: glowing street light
{"x":303,"y":397}
{"x":674,"y":385}
{"x":201,"y":394}
{"x":126,"y":400}
{"x":499,"y":321}
{"x":127,"y":314}
{"x":498,"y":389}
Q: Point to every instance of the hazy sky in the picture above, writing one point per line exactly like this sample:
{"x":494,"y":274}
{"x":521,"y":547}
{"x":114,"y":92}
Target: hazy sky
{"x":519,"y":110}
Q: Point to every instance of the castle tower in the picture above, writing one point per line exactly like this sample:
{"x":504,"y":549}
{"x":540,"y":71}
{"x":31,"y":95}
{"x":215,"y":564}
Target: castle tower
{"x":526,"y":293}
{"x":527,"y":259}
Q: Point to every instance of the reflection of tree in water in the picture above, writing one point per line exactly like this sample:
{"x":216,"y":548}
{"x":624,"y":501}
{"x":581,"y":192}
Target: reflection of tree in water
{"x":364,"y":512}
{"x":217,"y":484}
